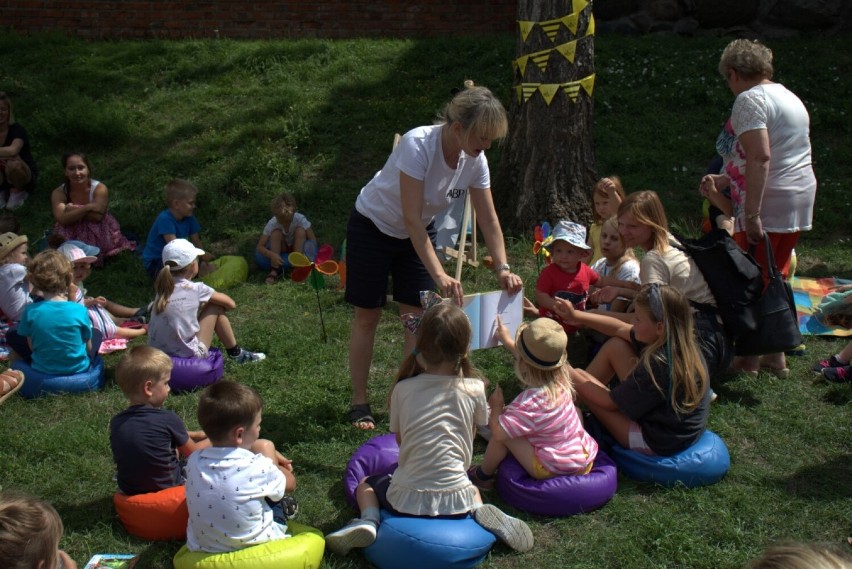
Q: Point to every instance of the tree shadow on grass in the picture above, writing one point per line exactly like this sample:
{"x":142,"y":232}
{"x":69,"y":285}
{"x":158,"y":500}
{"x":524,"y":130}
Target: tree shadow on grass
{"x":828,"y":481}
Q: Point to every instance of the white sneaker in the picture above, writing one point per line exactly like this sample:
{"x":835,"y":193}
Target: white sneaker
{"x":16,"y":200}
{"x":246,"y":356}
{"x":357,"y":533}
{"x":513,"y":532}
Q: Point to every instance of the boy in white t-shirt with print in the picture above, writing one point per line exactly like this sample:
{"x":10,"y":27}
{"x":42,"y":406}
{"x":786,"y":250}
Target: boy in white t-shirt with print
{"x":235,"y":497}
{"x":287,"y":231}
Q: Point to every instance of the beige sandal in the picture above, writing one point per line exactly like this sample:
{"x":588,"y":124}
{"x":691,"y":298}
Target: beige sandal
{"x":11,"y":380}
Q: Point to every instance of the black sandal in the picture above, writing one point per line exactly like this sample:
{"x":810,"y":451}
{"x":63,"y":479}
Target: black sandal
{"x":360,"y":417}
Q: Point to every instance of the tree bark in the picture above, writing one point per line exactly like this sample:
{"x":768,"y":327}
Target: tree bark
{"x":547,"y":168}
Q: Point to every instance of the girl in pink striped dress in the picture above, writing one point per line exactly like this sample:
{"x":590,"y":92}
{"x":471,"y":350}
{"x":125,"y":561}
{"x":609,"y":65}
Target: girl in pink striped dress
{"x":541,"y":427}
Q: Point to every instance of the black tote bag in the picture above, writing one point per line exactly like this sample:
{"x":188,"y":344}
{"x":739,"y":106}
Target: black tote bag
{"x":778,"y":326}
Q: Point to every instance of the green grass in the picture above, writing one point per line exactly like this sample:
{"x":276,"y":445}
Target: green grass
{"x":246,"y":120}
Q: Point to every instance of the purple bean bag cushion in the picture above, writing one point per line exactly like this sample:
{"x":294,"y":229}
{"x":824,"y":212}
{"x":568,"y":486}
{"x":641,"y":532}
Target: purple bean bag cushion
{"x":37,"y":383}
{"x":705,"y":462}
{"x":192,"y":373}
{"x":415,"y":543}
{"x":561,"y":495}
{"x":379,"y":455}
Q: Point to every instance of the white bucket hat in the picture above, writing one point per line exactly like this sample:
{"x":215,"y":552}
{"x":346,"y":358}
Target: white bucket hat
{"x":570,"y":232}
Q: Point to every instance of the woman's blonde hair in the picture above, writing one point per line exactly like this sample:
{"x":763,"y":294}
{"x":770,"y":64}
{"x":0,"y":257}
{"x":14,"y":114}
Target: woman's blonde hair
{"x":598,"y":190}
{"x":556,"y":383}
{"x":50,"y":271}
{"x":30,"y":530}
{"x":676,"y":347}
{"x":478,"y":111}
{"x":443,"y":336}
{"x":164,"y":285}
{"x":647,"y":209}
{"x":749,"y":58}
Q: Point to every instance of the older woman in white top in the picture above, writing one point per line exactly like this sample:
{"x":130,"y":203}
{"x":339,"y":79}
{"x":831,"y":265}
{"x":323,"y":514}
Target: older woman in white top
{"x":768,"y":168}
{"x":391,"y":234}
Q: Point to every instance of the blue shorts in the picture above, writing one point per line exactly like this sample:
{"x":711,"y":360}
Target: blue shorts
{"x":372,"y":257}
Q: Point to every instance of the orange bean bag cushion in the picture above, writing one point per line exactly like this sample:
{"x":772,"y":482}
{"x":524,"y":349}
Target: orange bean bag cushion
{"x":156,"y":516}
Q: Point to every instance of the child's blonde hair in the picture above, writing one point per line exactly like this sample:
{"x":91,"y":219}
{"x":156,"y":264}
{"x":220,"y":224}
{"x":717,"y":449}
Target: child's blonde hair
{"x":179,"y":189}
{"x":611,"y":225}
{"x":647,"y":209}
{"x":30,"y":530}
{"x":283,"y":205}
{"x":164,"y":284}
{"x":141,"y":364}
{"x":554,"y":382}
{"x":478,"y":111}
{"x":225,"y":406}
{"x":801,"y":556}
{"x":676,"y":348}
{"x":599,"y":190}
{"x":50,"y":272}
{"x":443,"y":336}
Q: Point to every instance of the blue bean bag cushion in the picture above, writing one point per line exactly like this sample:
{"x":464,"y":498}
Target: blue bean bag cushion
{"x":302,"y":551}
{"x":37,"y":383}
{"x":231,"y":270}
{"x":705,"y":462}
{"x":422,"y":543}
{"x":411,"y":542}
{"x":560,"y":495}
{"x":192,"y":373}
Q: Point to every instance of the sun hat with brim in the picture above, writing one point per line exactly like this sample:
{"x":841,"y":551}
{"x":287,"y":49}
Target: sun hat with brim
{"x":75,"y":254}
{"x":542,"y":343}
{"x":570,"y":232}
{"x":8,"y":243}
{"x":180,"y":253}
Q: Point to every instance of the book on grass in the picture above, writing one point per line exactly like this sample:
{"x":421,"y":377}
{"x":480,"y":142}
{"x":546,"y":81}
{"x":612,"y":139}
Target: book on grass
{"x":112,"y":561}
{"x":483,"y":309}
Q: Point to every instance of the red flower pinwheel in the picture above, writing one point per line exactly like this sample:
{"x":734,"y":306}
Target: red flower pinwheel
{"x":542,"y":237}
{"x":314,"y":272}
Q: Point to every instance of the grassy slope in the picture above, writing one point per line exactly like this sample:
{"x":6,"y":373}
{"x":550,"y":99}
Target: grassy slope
{"x":246,"y":120}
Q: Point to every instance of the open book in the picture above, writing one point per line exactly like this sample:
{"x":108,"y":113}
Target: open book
{"x":111,"y":561}
{"x":483,"y":308}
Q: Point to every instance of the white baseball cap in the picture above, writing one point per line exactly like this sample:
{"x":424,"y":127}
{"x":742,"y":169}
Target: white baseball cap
{"x":180,"y":253}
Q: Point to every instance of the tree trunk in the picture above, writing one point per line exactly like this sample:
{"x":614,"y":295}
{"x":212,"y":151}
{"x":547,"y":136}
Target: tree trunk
{"x":547,"y":167}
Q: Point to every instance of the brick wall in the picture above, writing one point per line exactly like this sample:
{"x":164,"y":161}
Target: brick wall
{"x":245,"y":19}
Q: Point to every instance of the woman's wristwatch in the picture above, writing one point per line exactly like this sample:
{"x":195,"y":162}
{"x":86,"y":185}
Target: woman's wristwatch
{"x":502,"y":267}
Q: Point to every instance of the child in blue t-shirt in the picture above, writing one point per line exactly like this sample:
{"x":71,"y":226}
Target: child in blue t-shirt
{"x":55,"y":336}
{"x":175,"y":222}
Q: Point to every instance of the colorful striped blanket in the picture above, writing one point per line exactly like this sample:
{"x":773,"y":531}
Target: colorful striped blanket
{"x":808,"y":293}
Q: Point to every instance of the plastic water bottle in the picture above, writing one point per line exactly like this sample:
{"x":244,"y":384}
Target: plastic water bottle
{"x":793,"y":263}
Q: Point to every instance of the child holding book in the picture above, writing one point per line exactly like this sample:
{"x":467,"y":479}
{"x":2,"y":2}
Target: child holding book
{"x":235,"y":488}
{"x":541,"y":427}
{"x":287,"y":231}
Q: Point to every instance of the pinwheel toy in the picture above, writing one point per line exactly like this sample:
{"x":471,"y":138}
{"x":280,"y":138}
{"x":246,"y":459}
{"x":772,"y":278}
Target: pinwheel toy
{"x":314,"y":272}
{"x":542,"y":237}
{"x":428,"y":299}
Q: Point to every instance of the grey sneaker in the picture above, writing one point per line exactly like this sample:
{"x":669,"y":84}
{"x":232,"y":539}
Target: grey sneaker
{"x":357,"y":533}
{"x":513,"y":532}
{"x":246,"y":356}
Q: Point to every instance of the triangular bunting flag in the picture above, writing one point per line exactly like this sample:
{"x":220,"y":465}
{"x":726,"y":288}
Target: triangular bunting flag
{"x":570,"y":22}
{"x":521,"y":62}
{"x":527,"y":90}
{"x":568,"y":50}
{"x":572,"y":90}
{"x":579,"y":5}
{"x":541,"y":58}
{"x":551,"y":28}
{"x":590,"y":31}
{"x":526,"y":28}
{"x":548,"y":90}
{"x":588,"y":84}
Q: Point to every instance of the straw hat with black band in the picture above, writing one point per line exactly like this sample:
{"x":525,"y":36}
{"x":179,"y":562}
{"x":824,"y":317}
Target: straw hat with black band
{"x":541,"y":343}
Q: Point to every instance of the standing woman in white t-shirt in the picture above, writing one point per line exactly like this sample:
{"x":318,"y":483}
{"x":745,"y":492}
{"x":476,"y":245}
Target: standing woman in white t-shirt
{"x":391,"y":231}
{"x":769,"y":169}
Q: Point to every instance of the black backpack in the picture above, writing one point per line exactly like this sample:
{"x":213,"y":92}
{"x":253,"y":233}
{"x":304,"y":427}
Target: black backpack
{"x":733,"y":276}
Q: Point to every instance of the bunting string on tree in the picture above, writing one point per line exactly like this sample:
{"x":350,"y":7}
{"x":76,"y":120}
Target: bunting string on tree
{"x":548,"y":91}
{"x":568,"y":50}
{"x":551,"y":27}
